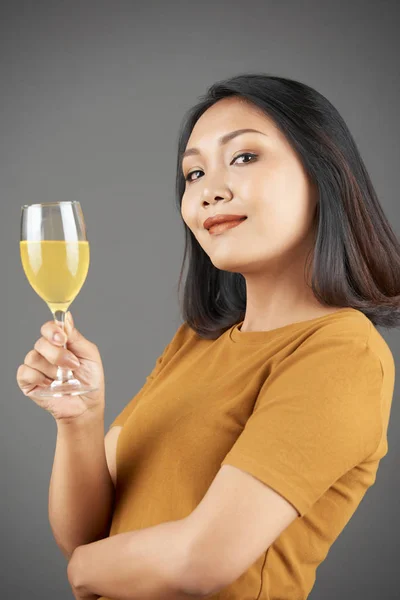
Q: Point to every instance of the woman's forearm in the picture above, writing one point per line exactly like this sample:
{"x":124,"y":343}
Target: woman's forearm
{"x":145,"y":564}
{"x":81,"y":492}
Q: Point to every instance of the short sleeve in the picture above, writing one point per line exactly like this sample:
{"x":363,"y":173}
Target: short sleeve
{"x":126,"y":411}
{"x":317,"y":415}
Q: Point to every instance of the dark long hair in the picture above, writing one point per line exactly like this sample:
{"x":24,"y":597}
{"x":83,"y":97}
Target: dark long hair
{"x":356,"y":256}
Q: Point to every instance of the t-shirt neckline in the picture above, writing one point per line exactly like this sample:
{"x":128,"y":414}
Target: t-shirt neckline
{"x":258,"y":337}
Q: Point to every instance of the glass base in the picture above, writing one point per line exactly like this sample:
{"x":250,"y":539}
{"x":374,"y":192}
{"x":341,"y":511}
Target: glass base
{"x":71,"y":387}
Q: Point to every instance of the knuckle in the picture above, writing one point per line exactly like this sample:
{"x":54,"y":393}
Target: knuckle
{"x":94,"y":347}
{"x":30,"y":357}
{"x":22,"y":377}
{"x":38,"y":345}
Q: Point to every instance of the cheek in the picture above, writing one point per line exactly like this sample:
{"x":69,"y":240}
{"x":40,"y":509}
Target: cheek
{"x":261,"y":189}
{"x":254,"y":185}
{"x":286,"y":199}
{"x":188,"y":214}
{"x":184,"y":209}
{"x":283,"y":225}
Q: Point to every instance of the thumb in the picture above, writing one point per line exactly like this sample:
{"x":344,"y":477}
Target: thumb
{"x":76,"y":342}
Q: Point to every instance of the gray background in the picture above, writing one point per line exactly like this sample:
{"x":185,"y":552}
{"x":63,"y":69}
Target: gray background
{"x":92,"y":97}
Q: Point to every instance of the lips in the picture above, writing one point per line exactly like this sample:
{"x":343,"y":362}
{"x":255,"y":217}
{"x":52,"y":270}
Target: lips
{"x":221,"y":227}
{"x":221,"y":218}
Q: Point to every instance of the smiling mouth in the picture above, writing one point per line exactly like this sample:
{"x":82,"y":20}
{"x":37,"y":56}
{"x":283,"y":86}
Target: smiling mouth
{"x":221,"y":227}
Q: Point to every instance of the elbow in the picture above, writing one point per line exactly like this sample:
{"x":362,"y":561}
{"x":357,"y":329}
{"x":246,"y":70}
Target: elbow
{"x":66,"y":553}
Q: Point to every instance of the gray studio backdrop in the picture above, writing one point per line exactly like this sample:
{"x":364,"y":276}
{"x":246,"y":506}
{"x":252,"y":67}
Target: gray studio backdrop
{"x":92,"y":97}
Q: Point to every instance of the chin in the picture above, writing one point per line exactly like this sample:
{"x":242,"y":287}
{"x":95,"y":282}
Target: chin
{"x":227,"y":265}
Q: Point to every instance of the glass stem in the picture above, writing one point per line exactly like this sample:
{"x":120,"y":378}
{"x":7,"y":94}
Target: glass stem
{"x":63,"y":373}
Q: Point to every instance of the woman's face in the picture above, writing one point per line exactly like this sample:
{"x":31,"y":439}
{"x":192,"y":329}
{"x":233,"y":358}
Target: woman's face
{"x":268,"y":185}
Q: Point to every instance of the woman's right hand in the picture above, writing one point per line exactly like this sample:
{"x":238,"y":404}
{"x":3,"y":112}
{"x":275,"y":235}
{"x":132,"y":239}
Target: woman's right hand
{"x":40,"y":369}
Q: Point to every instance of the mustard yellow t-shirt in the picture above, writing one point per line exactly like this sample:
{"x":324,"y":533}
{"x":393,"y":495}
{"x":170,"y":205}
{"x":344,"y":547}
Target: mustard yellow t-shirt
{"x":304,"y":408}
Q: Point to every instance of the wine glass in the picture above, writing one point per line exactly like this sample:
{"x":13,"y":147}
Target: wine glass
{"x":55,"y":257}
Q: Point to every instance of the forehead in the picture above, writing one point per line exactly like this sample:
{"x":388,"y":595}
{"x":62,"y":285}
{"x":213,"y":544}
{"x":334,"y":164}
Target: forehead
{"x":227,"y":115}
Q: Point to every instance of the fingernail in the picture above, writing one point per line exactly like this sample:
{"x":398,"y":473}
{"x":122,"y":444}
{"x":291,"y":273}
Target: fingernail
{"x":58,"y":337}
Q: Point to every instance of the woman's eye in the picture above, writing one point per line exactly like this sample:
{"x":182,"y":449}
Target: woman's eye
{"x":251,"y":154}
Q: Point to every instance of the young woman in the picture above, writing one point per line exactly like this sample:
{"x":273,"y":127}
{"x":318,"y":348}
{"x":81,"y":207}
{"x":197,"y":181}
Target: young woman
{"x":262,"y":425}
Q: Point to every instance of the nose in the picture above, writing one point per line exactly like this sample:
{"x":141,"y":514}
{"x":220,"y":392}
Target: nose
{"x":214,"y":194}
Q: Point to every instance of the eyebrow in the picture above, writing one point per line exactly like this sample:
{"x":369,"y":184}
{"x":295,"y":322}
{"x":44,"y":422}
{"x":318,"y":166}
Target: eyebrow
{"x":222,"y":140}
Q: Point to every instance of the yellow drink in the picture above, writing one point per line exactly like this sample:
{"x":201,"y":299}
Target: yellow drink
{"x":56,"y":269}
